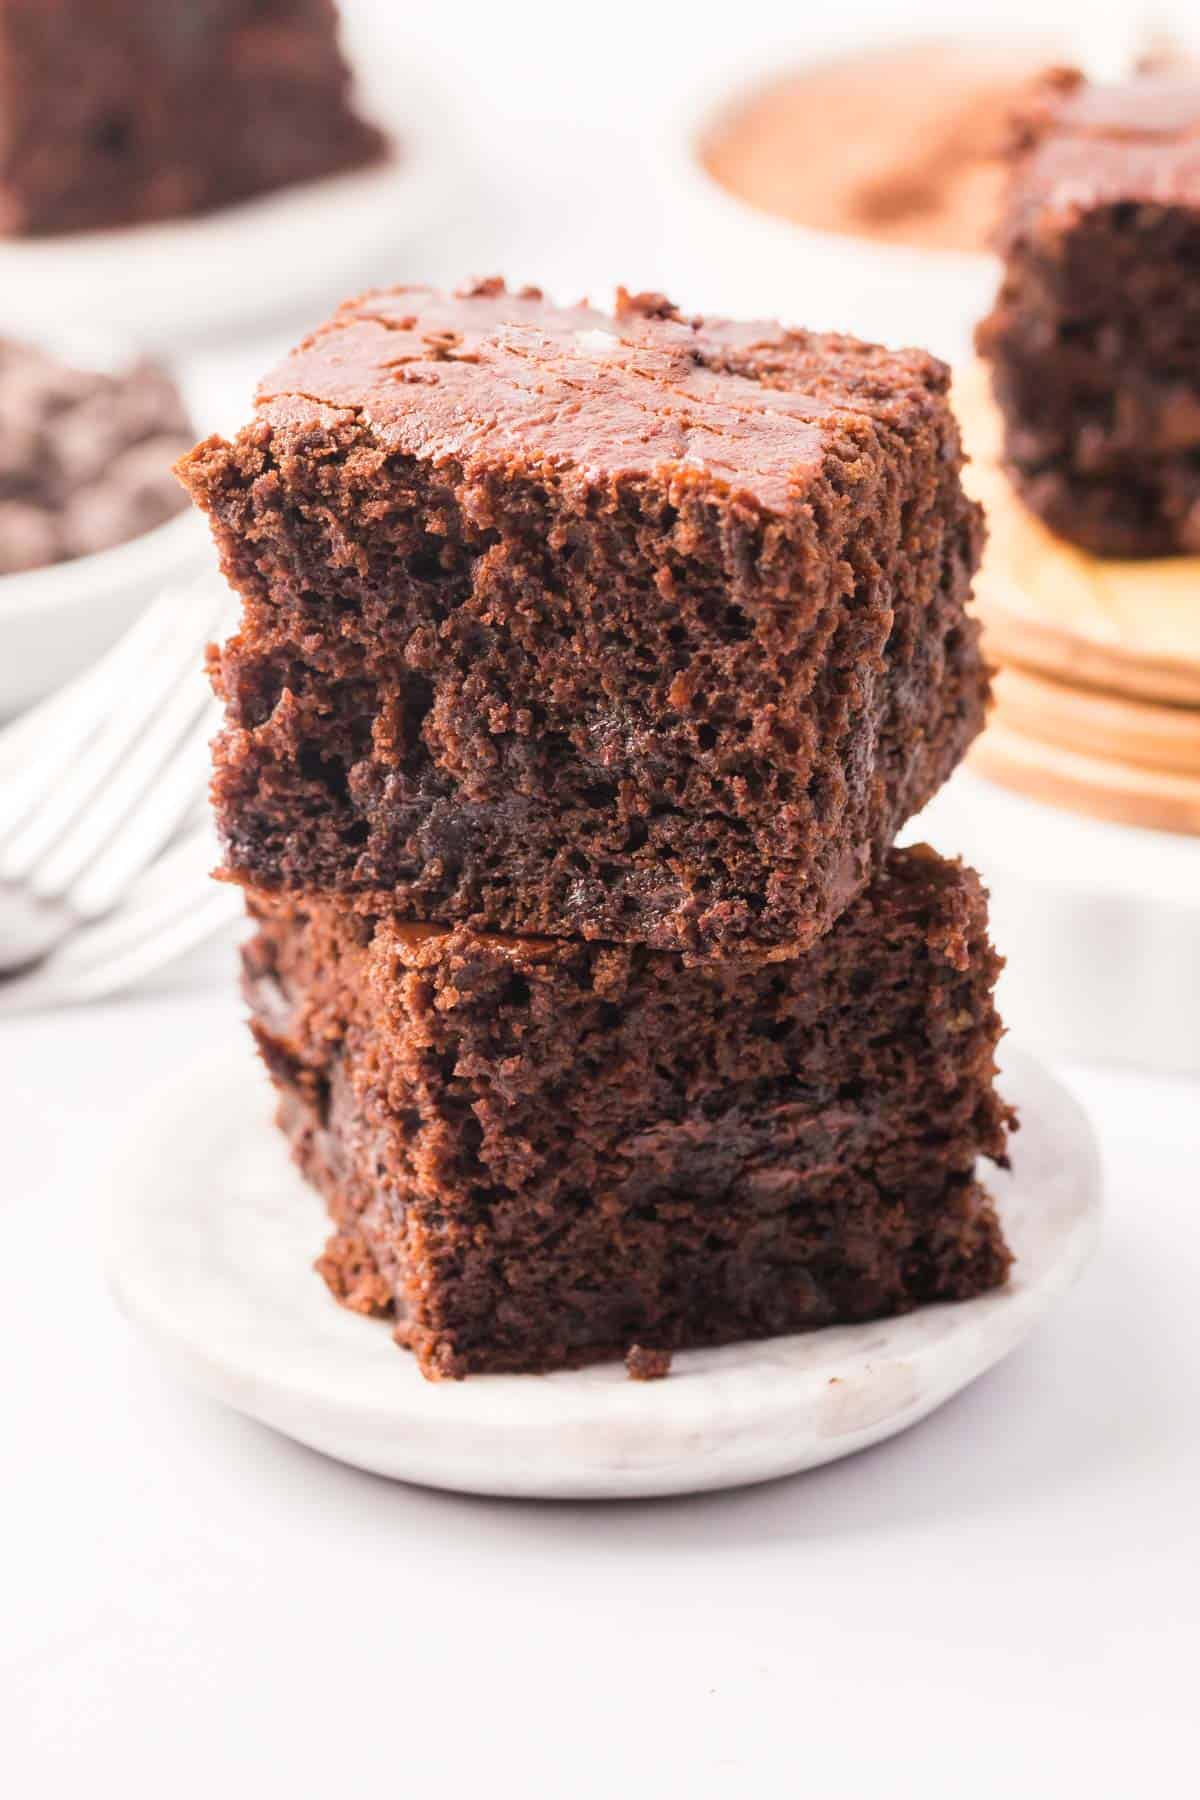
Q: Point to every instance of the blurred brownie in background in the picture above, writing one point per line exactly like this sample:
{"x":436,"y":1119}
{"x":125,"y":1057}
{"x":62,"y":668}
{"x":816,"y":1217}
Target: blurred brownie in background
{"x":85,"y":456}
{"x":641,"y":628}
{"x":1094,"y":339}
{"x":540,"y":1152}
{"x":136,"y":110}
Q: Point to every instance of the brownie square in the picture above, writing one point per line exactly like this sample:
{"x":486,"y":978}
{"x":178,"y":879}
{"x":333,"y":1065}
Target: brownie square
{"x":539,"y":1152}
{"x":137,"y":110}
{"x":1094,"y":339}
{"x":639,"y":628}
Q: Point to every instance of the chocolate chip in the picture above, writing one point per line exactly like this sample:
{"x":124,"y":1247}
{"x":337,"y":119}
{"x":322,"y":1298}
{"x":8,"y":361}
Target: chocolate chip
{"x":85,"y":457}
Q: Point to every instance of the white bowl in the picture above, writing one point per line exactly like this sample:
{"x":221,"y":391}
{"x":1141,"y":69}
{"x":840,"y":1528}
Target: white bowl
{"x":735,"y":258}
{"x":56,"y":620}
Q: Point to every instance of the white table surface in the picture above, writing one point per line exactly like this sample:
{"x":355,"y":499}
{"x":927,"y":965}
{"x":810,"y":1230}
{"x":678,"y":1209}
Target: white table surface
{"x":1004,"y":1600}
{"x":1007,"y":1595}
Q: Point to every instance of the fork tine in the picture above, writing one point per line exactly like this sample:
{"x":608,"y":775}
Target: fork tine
{"x":41,"y":750}
{"x":179,"y":879}
{"x":190,"y":859}
{"x":40,"y":763}
{"x":80,"y":703}
{"x":167,"y":669}
{"x":143,"y":789}
{"x":94,"y":783}
{"x":174,"y":932}
{"x":103,"y":870}
{"x":44,"y":717}
{"x":132,"y":924}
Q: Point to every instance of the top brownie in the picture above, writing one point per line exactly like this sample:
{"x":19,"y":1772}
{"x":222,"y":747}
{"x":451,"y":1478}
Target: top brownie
{"x":638,"y":628}
{"x":1093,"y":337}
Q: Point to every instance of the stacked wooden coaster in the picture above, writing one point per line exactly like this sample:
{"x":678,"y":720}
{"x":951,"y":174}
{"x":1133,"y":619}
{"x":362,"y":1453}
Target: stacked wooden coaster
{"x":1097,"y":702}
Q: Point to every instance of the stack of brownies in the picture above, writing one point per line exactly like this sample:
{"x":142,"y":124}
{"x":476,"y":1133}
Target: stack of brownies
{"x":588,"y":669}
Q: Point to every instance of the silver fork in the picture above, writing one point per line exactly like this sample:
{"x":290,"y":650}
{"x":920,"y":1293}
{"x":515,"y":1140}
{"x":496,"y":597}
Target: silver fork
{"x":171,"y":909}
{"x":94,"y":785}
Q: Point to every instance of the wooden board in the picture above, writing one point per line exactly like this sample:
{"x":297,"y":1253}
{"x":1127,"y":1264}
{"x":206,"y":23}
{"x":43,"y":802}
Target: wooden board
{"x":1103,"y":787}
{"x":1131,"y":627}
{"x":1141,"y":732}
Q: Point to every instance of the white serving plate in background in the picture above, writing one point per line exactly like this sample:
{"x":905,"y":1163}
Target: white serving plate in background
{"x":284,"y":254}
{"x":1099,"y":924}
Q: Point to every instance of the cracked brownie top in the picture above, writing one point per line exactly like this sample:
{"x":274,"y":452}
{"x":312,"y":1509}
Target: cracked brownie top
{"x":486,"y":373}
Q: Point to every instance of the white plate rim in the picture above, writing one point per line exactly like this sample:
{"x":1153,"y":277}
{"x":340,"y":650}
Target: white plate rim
{"x":722,"y":1418}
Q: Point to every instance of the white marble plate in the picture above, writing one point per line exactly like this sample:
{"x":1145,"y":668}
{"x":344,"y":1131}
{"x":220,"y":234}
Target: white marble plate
{"x":212,"y":1239}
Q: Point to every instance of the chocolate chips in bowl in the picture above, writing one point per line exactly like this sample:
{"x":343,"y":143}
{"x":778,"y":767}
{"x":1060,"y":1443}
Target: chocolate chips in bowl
{"x":85,"y":456}
{"x":90,"y":521}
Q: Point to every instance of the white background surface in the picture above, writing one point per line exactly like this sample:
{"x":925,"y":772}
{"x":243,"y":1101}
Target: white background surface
{"x":1002,"y":1601}
{"x":1005,"y":1600}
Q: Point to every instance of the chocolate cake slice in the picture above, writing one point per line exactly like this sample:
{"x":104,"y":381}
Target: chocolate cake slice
{"x":640,"y":629}
{"x":538,"y":1153}
{"x":1094,"y":339}
{"x":136,"y":110}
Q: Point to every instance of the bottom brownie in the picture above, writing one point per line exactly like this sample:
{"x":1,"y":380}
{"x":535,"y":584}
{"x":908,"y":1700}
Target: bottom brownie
{"x":542,"y":1153}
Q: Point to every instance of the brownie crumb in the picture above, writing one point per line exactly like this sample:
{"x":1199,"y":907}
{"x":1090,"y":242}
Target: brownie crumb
{"x":349,"y":1272}
{"x":645,"y":1364}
